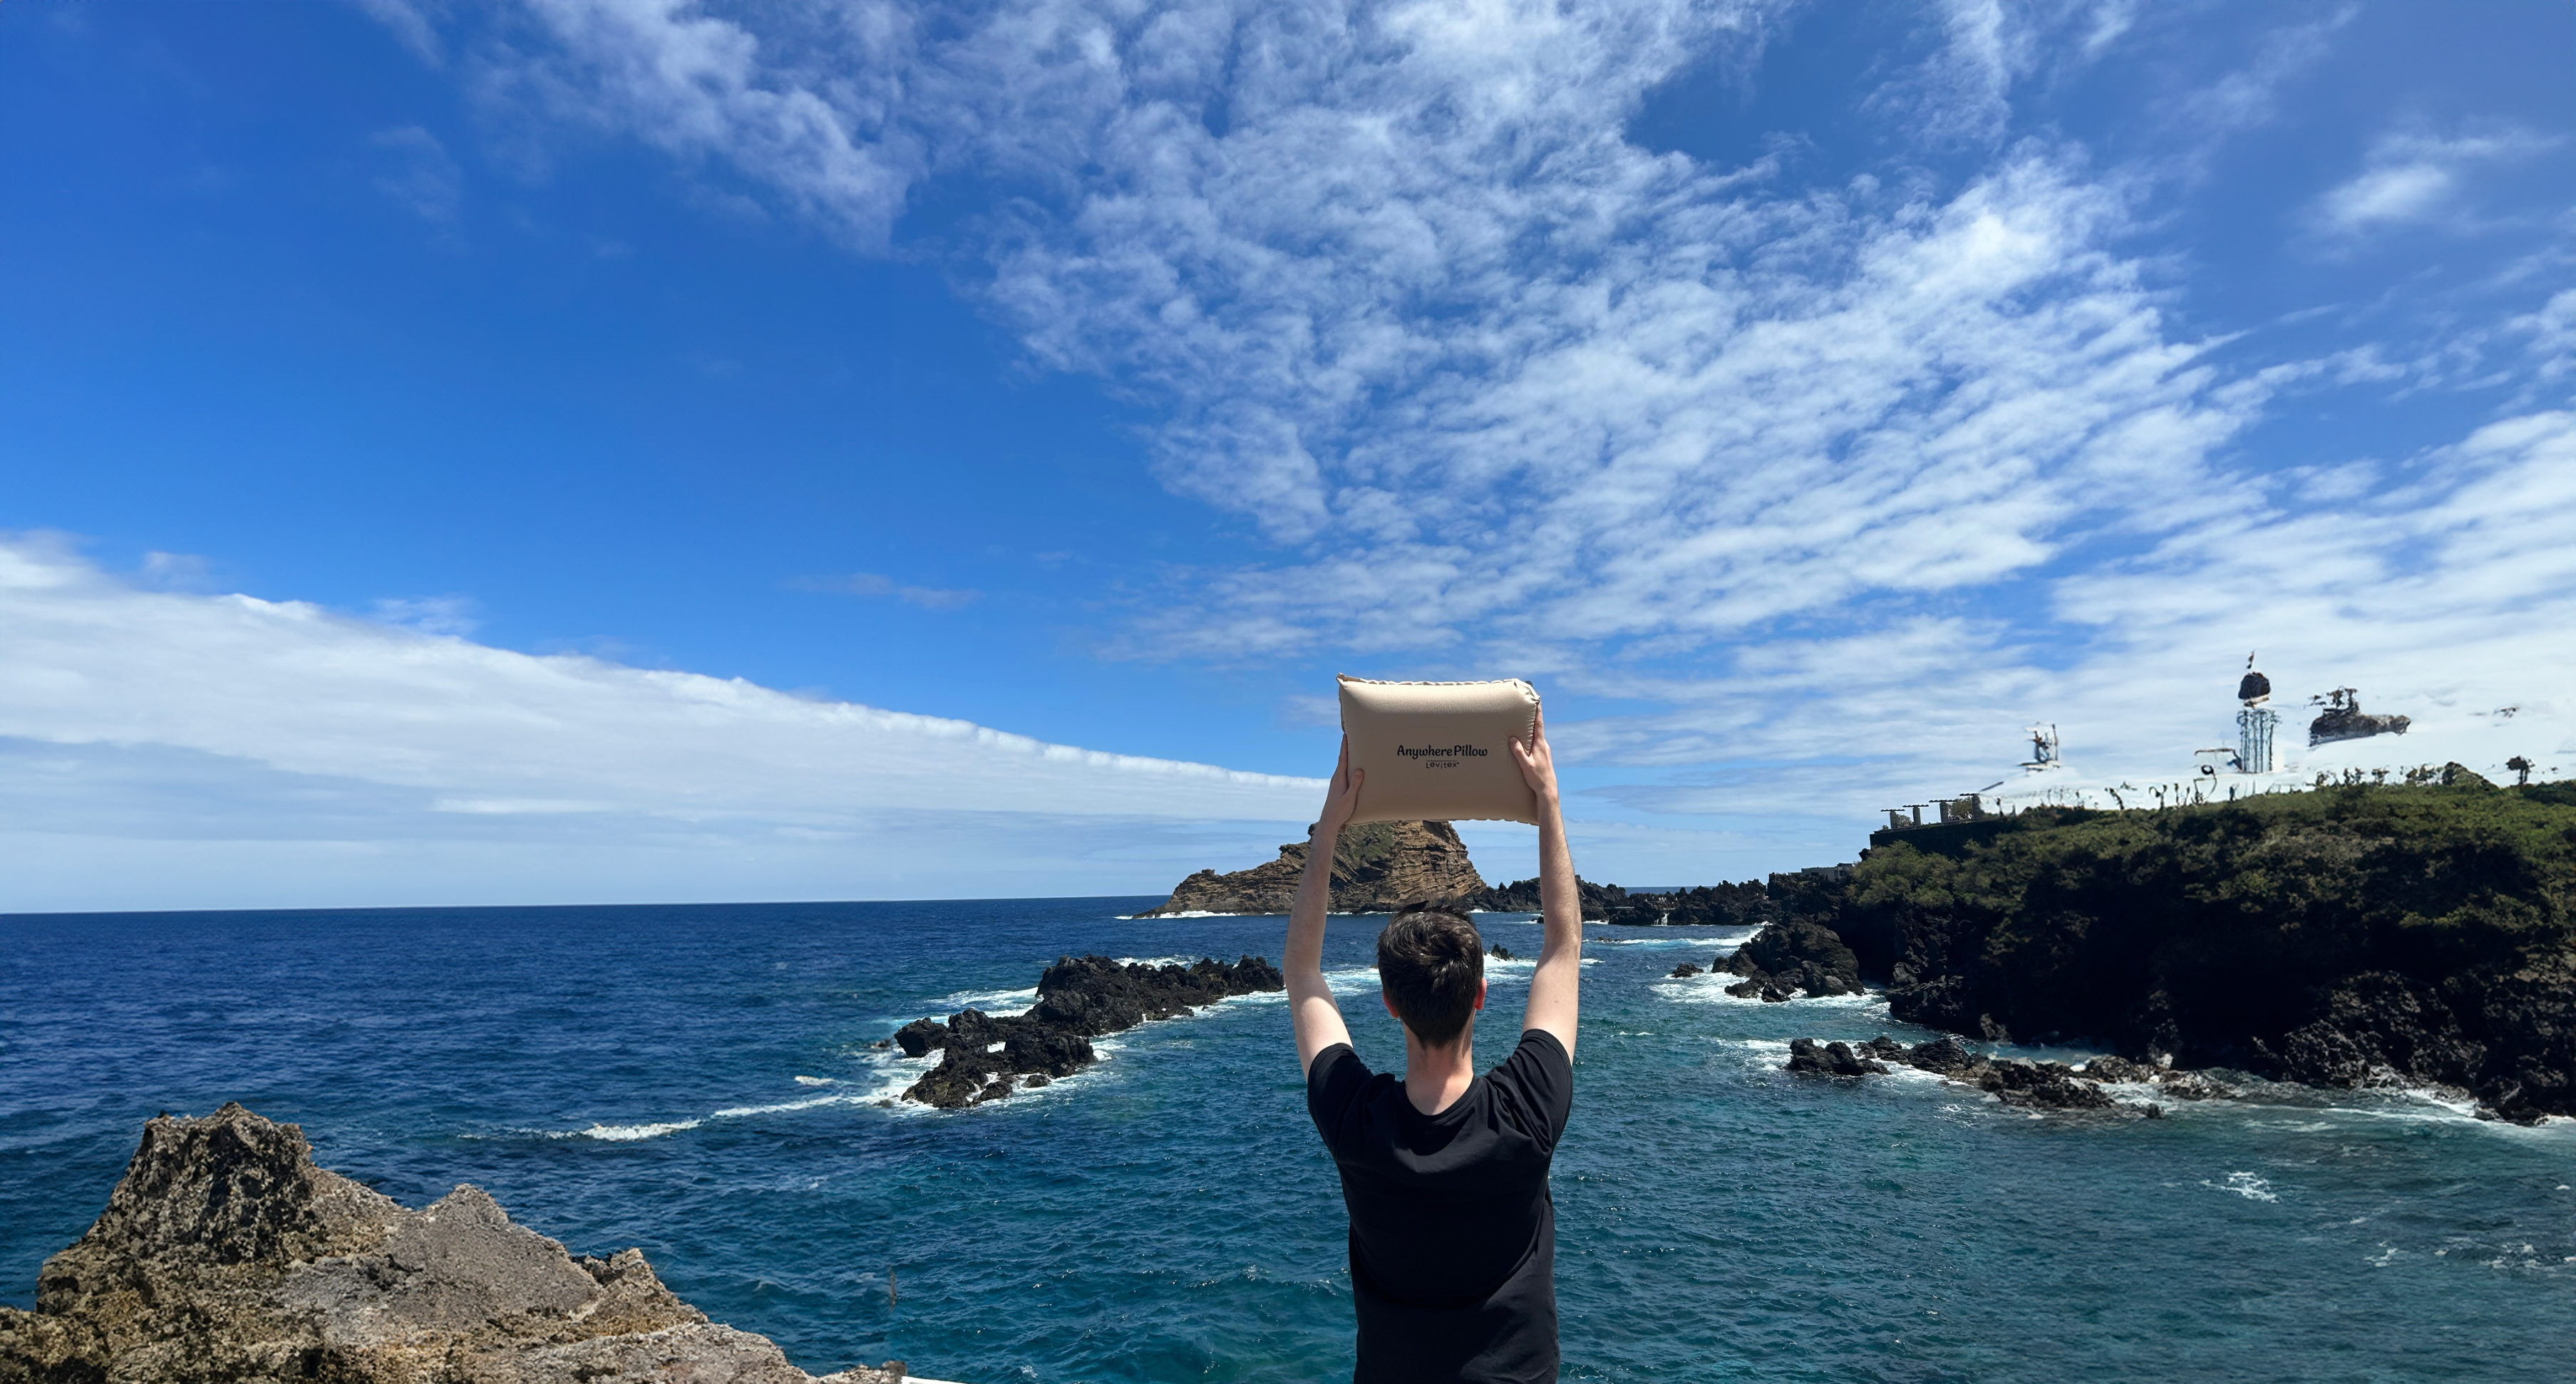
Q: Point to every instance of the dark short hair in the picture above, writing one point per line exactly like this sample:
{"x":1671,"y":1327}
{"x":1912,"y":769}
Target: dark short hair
{"x":1429,"y":959}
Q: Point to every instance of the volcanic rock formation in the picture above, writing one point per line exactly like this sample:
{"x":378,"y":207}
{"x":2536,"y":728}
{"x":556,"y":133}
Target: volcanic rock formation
{"x":1377,"y":868}
{"x":1786,"y":958}
{"x":2357,"y":936}
{"x":225,"y":1255}
{"x":2012,"y":1080}
{"x":1079,"y":998}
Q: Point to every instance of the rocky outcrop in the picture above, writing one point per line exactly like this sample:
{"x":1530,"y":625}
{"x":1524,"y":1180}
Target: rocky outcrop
{"x":1807,"y":1058}
{"x":1377,"y":868}
{"x":2355,"y":936}
{"x":1596,"y":901}
{"x":225,"y":1255}
{"x":1785,"y":959}
{"x":1079,"y":998}
{"x":2011,"y":1080}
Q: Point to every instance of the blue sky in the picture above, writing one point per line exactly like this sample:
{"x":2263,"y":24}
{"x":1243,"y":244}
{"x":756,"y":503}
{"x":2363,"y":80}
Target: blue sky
{"x":1805,"y":396}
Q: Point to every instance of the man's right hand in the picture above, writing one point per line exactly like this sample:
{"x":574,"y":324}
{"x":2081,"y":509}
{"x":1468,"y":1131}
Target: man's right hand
{"x":1341,"y":799}
{"x":1537,"y":762}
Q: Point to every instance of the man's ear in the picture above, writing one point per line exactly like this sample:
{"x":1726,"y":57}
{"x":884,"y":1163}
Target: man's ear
{"x":1480,"y":997}
{"x":1389,"y":1001}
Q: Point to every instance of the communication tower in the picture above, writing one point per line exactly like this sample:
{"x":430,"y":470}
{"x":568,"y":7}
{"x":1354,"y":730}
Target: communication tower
{"x":2255,"y":723}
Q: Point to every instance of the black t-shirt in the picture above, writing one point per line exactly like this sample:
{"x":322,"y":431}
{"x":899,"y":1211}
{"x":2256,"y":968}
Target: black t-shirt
{"x":1453,"y":1236}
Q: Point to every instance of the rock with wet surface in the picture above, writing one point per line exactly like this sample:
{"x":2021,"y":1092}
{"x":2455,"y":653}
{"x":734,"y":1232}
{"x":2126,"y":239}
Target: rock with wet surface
{"x":1790,"y":957}
{"x":984,"y":1057}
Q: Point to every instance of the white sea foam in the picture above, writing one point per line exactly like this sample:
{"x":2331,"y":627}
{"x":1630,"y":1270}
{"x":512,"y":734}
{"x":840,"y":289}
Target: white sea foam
{"x":2251,"y":1186}
{"x":1727,"y":941}
{"x":814,"y":1081}
{"x":996,"y":1004}
{"x":1709,"y":987}
{"x":743,"y":1111}
{"x":620,"y":1134}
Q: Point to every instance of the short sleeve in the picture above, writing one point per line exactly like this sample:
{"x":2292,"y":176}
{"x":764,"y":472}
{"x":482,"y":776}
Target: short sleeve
{"x":1333,"y":1086}
{"x":1537,"y":1081}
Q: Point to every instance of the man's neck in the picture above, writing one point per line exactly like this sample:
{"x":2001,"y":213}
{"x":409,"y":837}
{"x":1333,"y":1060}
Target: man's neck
{"x":1434,"y":1078}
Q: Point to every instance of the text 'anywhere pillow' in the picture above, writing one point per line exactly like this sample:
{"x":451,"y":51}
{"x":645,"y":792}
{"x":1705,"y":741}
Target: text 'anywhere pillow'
{"x":1440,"y":751}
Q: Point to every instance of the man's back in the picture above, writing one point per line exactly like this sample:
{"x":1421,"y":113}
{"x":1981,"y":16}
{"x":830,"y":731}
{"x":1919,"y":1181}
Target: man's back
{"x":1453,"y":1234}
{"x":1444,"y":1174}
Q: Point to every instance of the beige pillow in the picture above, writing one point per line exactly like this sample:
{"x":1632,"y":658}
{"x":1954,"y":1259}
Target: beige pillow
{"x":1440,"y":750}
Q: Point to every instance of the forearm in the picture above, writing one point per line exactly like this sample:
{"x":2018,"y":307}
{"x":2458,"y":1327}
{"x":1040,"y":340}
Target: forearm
{"x":1305,"y":947}
{"x":1311,"y":1011}
{"x":1560,"y":903}
{"x":1556,"y":983}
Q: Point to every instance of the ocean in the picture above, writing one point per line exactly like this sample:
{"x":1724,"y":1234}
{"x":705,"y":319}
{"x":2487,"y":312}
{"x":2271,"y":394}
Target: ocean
{"x":701,"y":1081}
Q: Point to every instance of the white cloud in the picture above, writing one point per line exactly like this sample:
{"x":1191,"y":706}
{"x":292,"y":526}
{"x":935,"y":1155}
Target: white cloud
{"x":2415,"y":177}
{"x":411,"y":26}
{"x":698,"y":86}
{"x":2552,"y":329}
{"x":429,"y":614}
{"x":426,"y":181}
{"x":1846,"y":481}
{"x":359,"y":740}
{"x":872,"y":584}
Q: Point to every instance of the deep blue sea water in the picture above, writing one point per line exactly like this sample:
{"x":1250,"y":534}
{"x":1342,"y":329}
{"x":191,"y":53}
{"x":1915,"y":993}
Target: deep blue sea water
{"x":699,"y":1081}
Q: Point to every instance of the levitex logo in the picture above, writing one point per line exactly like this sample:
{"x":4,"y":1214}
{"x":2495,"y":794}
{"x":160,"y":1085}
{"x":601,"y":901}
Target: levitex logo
{"x":1440,"y":752}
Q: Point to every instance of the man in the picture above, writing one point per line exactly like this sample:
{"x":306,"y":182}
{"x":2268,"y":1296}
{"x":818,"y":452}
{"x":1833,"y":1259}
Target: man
{"x":1453,"y":1235}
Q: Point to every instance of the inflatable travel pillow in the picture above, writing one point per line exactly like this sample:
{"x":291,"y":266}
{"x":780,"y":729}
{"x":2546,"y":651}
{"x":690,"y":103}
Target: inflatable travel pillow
{"x":1440,"y":750}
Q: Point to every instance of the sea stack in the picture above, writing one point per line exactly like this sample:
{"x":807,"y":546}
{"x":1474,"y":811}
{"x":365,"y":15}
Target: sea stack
{"x":1376,"y":868}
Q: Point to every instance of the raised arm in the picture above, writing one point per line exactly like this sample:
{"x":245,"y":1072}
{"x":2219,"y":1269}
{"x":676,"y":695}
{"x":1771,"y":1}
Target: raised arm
{"x":1555,"y":985}
{"x":1310,"y":1000}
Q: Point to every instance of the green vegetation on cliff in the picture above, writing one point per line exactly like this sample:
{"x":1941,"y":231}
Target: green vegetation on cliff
{"x":2345,"y":936}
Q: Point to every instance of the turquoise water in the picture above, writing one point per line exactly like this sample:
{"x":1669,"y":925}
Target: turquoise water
{"x":699,"y":1081}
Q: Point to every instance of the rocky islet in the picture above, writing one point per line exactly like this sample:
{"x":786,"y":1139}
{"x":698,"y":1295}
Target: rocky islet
{"x":1377,"y":868}
{"x":985,"y":1057}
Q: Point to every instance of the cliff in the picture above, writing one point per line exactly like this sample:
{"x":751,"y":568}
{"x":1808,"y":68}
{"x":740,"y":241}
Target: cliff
{"x":2362,"y":936}
{"x":1376,"y":868}
{"x":225,"y":1255}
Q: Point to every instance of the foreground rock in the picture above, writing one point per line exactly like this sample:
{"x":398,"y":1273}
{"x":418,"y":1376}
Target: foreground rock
{"x":2012,"y":1080}
{"x":225,"y":1255}
{"x":1079,"y":998}
{"x":1377,"y":868}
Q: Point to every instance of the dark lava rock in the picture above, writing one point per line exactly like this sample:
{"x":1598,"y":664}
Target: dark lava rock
{"x":1500,"y":952}
{"x":2012,"y":1080}
{"x":1597,"y":902}
{"x":1685,"y":970}
{"x":1808,"y":1058}
{"x":1793,"y":956}
{"x":920,"y":1036}
{"x":226,"y":1257}
{"x":1079,"y":998}
{"x":1943,"y":1056}
{"x":2046,"y":1085}
{"x":2119,"y":1069}
{"x":2378,"y":1028}
{"x":2418,"y":933}
{"x":1377,"y":867}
